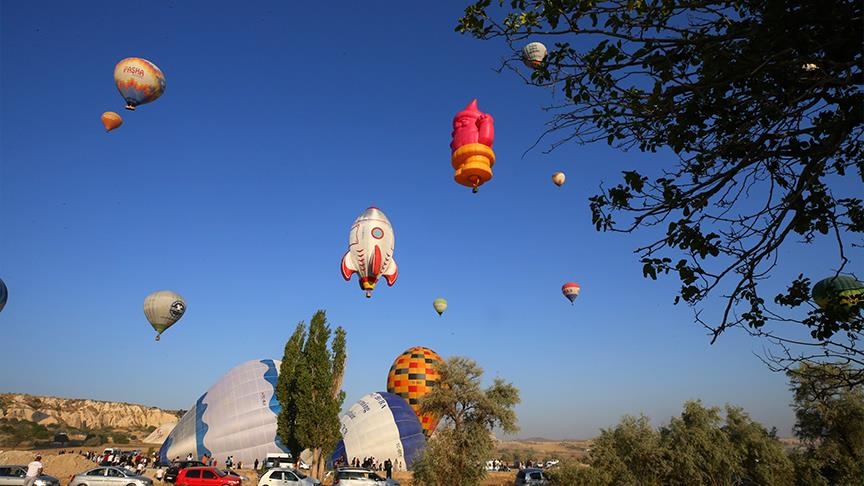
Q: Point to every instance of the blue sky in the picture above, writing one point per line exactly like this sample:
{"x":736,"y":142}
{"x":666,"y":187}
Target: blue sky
{"x":281,"y":122}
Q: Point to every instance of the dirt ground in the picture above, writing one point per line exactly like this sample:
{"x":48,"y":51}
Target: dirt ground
{"x":64,"y":466}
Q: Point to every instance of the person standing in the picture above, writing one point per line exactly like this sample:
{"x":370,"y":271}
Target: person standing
{"x":255,"y":464}
{"x":34,"y":470}
{"x":388,"y":467}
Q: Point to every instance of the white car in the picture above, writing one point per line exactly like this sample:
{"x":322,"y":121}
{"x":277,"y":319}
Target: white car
{"x":282,"y":476}
{"x":359,"y":476}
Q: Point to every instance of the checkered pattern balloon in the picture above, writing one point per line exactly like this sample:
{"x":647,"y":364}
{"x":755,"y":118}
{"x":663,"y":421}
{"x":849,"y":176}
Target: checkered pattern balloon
{"x":413,"y":375}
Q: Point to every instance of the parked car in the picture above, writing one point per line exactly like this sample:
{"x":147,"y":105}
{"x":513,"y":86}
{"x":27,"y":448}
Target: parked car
{"x":281,"y":476}
{"x":206,"y":476}
{"x":109,"y":476}
{"x":359,"y":476}
{"x":13,"y":475}
{"x":530,"y":477}
{"x":175,"y":467}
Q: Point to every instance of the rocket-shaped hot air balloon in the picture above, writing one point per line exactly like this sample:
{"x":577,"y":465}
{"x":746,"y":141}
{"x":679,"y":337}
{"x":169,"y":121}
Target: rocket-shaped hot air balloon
{"x":472,"y":155}
{"x":370,"y":250}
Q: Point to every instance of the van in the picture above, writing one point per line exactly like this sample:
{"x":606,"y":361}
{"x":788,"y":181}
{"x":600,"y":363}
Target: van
{"x":278,"y":459}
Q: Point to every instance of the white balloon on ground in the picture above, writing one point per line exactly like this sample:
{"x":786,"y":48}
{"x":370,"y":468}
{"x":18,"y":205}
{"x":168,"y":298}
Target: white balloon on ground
{"x":234,"y":417}
{"x":380,"y":425}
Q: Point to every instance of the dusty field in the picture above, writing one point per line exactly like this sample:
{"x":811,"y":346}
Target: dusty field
{"x":64,"y":466}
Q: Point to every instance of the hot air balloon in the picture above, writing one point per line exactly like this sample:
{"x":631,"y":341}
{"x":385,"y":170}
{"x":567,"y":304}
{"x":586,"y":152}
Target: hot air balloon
{"x":844,"y":290}
{"x":413,"y":374}
{"x":571,"y":290}
{"x":163,"y":308}
{"x":380,"y":425}
{"x":440,"y":305}
{"x":533,"y":54}
{"x":4,"y":294}
{"x":471,"y":147}
{"x":370,"y":250}
{"x":235,"y":417}
{"x":111,"y":120}
{"x":139,"y":81}
{"x":558,"y":178}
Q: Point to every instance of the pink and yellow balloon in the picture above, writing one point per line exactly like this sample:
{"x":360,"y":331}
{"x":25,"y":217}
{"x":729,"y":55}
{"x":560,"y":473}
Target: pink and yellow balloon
{"x":139,"y":81}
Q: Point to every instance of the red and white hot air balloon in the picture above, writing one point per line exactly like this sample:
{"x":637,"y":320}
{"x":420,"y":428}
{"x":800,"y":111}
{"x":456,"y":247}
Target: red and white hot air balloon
{"x":571,"y":290}
{"x":370,"y":250}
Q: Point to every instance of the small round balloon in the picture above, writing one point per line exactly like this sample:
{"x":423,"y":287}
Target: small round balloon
{"x":440,"y":305}
{"x":571,"y":290}
{"x":558,"y":178}
{"x":533,"y":54}
{"x":842,"y":289}
{"x":111,"y":120}
{"x":4,"y":294}
{"x":163,"y":308}
{"x":139,"y":81}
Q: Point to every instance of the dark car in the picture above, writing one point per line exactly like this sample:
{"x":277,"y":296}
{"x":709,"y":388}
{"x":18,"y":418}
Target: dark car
{"x":175,"y":467}
{"x":530,"y":476}
{"x":206,"y":476}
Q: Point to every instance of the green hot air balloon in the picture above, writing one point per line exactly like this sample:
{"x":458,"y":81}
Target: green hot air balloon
{"x":841,"y":289}
{"x":440,"y":305}
{"x":163,"y":308}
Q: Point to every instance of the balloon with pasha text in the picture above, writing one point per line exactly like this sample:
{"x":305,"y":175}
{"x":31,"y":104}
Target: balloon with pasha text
{"x":111,"y":120}
{"x":163,"y":309}
{"x":533,"y":54}
{"x":370,"y":250}
{"x":571,"y":290}
{"x":844,"y":290}
{"x":558,"y":178}
{"x":235,"y":417}
{"x":412,"y":376}
{"x":471,"y":147}
{"x":380,"y":425}
{"x":139,"y":81}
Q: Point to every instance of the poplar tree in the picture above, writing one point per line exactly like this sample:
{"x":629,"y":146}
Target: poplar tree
{"x":309,"y":389}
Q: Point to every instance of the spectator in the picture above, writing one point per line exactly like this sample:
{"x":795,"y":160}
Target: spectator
{"x":34,"y":470}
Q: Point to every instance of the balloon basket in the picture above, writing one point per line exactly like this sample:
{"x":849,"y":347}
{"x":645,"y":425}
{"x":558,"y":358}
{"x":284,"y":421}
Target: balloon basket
{"x":158,"y":337}
{"x":368,"y":294}
{"x":130,"y":107}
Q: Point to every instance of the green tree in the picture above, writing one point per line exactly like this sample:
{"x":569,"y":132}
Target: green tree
{"x":457,"y":452}
{"x":759,"y":453}
{"x":757,"y":106}
{"x":309,"y":390}
{"x":630,"y":453}
{"x":830,"y":423}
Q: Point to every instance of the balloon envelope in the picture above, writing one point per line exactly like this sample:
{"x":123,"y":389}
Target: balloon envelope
{"x":440,"y":305}
{"x":571,"y":290}
{"x":234,"y":417}
{"x":111,"y":120}
{"x":413,"y":374}
{"x":139,"y":81}
{"x":558,"y":178}
{"x":4,"y":294}
{"x":841,"y":289}
{"x":371,"y":244}
{"x":163,"y":308}
{"x":381,"y":425}
{"x":533,"y":54}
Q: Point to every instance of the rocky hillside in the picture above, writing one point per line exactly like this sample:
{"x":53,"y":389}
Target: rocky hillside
{"x":82,"y":413}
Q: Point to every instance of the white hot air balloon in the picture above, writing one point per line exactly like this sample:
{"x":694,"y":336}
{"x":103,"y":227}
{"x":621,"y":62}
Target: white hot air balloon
{"x":234,"y":417}
{"x":380,"y":425}
{"x":533,"y":54}
{"x":163,"y":308}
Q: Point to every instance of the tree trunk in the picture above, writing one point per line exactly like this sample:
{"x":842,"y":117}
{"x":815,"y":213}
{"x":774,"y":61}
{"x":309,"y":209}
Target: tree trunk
{"x":317,"y":468}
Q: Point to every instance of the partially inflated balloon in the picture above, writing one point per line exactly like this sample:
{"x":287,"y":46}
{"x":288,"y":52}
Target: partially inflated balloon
{"x":139,"y":81}
{"x":558,"y":178}
{"x":380,"y":425}
{"x":111,"y":120}
{"x":4,"y":294}
{"x":234,"y":417}
{"x":842,"y":289}
{"x":533,"y":54}
{"x":571,"y":290}
{"x":440,"y":305}
{"x":414,"y":374}
{"x":163,"y":308}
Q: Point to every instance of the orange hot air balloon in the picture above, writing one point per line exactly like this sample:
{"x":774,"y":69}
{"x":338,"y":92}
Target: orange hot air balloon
{"x":111,"y":120}
{"x":412,"y":376}
{"x":471,"y":147}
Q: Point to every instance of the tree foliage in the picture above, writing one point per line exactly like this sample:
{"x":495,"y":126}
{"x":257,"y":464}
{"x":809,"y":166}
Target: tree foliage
{"x":458,"y":450}
{"x":830,"y":423}
{"x":757,"y":104}
{"x":309,"y":390}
